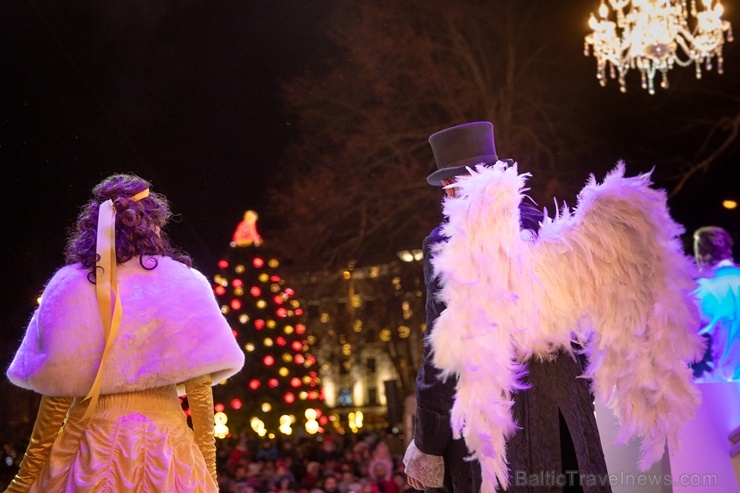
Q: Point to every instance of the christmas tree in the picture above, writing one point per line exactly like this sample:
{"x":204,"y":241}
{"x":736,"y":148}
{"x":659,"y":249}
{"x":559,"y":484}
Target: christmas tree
{"x":279,"y":389}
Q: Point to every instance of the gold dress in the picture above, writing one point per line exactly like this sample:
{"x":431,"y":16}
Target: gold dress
{"x":134,"y":442}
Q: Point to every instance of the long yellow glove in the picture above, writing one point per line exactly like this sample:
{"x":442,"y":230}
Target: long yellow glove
{"x":200,"y":399}
{"x":49,"y":420}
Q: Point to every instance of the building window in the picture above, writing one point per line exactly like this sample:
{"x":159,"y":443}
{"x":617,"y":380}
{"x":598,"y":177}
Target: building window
{"x":345,"y":397}
{"x":372,"y":396}
{"x":371,"y":364}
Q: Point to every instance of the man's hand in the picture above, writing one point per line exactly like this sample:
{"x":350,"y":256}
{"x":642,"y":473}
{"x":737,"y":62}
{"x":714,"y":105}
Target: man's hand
{"x":423,"y":470}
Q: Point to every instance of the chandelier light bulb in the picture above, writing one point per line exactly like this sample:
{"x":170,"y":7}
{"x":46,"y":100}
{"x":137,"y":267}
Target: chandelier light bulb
{"x":653,"y":36}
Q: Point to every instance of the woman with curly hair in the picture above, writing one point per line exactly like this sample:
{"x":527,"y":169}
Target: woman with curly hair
{"x":121,"y":331}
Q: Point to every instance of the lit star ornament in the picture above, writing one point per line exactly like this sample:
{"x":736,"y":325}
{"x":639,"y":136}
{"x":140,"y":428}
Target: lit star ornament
{"x":610,"y":275}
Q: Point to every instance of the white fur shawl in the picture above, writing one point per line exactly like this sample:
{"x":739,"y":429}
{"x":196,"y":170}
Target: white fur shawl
{"x":172,"y":330}
{"x":611,"y":274}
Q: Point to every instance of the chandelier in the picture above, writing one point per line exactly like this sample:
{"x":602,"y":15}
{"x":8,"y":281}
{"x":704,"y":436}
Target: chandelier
{"x":654,"y":35}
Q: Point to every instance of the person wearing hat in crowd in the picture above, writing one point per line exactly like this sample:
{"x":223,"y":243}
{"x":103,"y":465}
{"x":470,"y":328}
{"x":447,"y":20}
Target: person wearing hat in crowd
{"x":718,"y":295}
{"x":560,"y":434}
{"x":121,"y":331}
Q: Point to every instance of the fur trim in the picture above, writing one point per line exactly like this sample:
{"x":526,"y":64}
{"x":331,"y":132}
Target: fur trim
{"x":611,"y":274}
{"x":172,"y":330}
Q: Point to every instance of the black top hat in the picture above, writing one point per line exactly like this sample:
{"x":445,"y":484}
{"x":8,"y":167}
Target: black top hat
{"x":458,"y":147}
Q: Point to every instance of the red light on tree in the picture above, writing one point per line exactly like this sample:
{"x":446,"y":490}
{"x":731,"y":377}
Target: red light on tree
{"x":268,"y":360}
{"x":236,"y":403}
{"x":219,"y":408}
{"x":300,"y":329}
{"x":222,"y":264}
{"x":275,"y":278}
{"x":236,"y":334}
{"x":323,"y":420}
{"x":278,"y":299}
{"x":259,"y":324}
{"x":237,"y":283}
{"x":289,"y":397}
{"x":255,"y":291}
{"x":295,"y":382}
{"x":299,"y":359}
{"x":219,"y":290}
{"x":281,"y":341}
{"x":258,"y":262}
{"x":289,"y":291}
{"x":236,"y":304}
{"x":299,"y":311}
{"x":273,"y":383}
{"x":281,"y":312}
{"x":254,"y":384}
{"x":296,"y":345}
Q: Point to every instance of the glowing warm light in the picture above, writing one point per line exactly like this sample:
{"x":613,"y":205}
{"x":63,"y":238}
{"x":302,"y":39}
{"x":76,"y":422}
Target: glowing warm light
{"x":254,"y":384}
{"x":273,"y":263}
{"x":273,"y":383}
{"x":653,"y":36}
{"x":234,"y":333}
{"x":255,"y":291}
{"x":244,"y":318}
{"x":266,"y":407}
{"x":300,"y":329}
{"x":288,"y":329}
{"x":729,"y":204}
{"x":281,"y":341}
{"x":263,"y":277}
{"x":236,"y":304}
{"x":249,"y":347}
{"x":268,"y":360}
{"x":258,"y":426}
{"x":289,"y":397}
{"x":281,"y":312}
{"x":296,"y":345}
{"x":289,"y":291}
{"x":295,"y":382}
{"x":258,"y":262}
{"x":220,"y":430}
{"x":261,"y":304}
{"x":287,"y":357}
{"x":355,"y":421}
{"x":278,"y":299}
{"x":385,"y":335}
{"x":259,"y":324}
{"x":283,"y":372}
{"x":404,"y":331}
{"x":222,"y":264}
{"x":219,"y":408}
{"x":299,"y":359}
{"x":285,"y":422}
{"x":236,"y":403}
{"x":239,"y":269}
{"x":219,"y":290}
{"x":267,"y":342}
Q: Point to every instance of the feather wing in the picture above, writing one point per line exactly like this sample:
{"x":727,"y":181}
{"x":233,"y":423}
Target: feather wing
{"x":610,"y":274}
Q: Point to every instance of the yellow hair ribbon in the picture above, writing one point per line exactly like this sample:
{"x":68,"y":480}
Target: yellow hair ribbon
{"x":106,"y":289}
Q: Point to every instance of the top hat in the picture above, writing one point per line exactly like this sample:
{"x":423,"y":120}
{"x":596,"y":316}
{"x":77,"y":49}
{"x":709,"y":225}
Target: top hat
{"x":458,"y":147}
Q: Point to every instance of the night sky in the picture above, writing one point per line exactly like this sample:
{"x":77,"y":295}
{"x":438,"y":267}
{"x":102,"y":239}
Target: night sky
{"x":186,"y":94}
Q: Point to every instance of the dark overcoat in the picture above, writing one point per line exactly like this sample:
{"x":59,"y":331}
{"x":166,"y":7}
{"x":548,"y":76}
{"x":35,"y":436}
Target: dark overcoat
{"x":557,"y":447}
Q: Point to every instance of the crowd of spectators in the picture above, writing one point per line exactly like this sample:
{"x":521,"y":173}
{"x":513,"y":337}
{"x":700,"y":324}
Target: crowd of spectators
{"x":357,"y":463}
{"x":351,"y":463}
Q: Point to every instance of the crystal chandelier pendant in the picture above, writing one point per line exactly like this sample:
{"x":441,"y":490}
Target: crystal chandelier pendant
{"x":654,"y":35}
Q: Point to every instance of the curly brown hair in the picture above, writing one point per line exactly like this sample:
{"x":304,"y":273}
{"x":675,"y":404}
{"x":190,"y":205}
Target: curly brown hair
{"x":139,"y":225}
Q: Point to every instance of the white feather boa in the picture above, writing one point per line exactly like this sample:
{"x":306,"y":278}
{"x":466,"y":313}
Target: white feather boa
{"x":610,"y":274}
{"x":172,"y":330}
